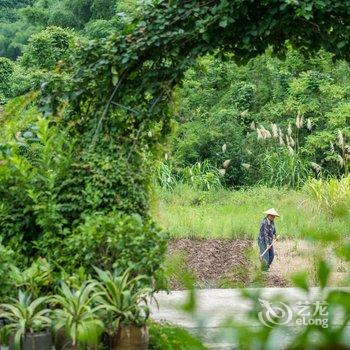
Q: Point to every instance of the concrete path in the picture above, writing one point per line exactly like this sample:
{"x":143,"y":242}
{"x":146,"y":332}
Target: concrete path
{"x":215,"y":306}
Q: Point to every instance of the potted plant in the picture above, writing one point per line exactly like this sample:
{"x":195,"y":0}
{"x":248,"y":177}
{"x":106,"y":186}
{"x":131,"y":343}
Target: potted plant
{"x":76,"y":320}
{"x":125,"y":301}
{"x":27,"y":323}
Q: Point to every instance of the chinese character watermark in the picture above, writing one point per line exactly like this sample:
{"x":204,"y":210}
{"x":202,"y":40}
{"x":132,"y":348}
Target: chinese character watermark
{"x":305,"y":313}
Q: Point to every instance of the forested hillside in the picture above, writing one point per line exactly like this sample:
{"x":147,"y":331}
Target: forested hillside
{"x":278,"y":122}
{"x":20,"y":19}
{"x":36,"y":35}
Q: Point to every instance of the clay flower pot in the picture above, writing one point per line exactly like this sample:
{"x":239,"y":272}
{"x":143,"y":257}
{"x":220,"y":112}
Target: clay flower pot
{"x":62,"y":341}
{"x":131,"y":338}
{"x":33,"y":341}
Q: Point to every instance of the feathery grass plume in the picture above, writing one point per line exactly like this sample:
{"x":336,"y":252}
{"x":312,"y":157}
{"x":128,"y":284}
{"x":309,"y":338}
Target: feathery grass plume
{"x":18,"y":135}
{"x":252,"y":125}
{"x":331,"y":147}
{"x":341,"y":160}
{"x":166,"y":156}
{"x":280,"y":141}
{"x":309,"y":124}
{"x":287,"y":140}
{"x":226,"y":163}
{"x":263,"y":131}
{"x":347,"y":148}
{"x":222,"y":172}
{"x":347,"y":157}
{"x":289,"y":130}
{"x":246,"y":166}
{"x":259,"y":134}
{"x":291,"y":141}
{"x":280,"y":132}
{"x":266,"y":133}
{"x":316,"y":167}
{"x":244,"y":113}
{"x":274,"y":129}
{"x":299,"y":121}
{"x":291,"y":151}
{"x":224,"y":148}
{"x":340,"y":139}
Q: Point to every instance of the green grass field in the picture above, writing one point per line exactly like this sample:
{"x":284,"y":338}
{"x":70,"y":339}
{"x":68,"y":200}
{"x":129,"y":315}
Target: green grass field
{"x":186,"y":212}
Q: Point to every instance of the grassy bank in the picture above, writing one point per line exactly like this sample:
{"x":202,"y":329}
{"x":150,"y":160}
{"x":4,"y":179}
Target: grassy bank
{"x":186,"y":212}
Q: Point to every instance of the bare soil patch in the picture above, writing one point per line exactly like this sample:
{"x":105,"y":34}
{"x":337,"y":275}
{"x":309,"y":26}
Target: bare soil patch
{"x":211,"y":260}
{"x":232,"y":263}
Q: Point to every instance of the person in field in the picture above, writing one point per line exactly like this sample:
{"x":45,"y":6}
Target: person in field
{"x":266,"y":235}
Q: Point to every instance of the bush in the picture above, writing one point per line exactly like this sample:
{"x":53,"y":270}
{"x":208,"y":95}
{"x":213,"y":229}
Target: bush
{"x":6,"y":71}
{"x":116,"y":241}
{"x":46,"y":48}
{"x":168,"y":337}
{"x":6,"y":263}
{"x":34,"y":155}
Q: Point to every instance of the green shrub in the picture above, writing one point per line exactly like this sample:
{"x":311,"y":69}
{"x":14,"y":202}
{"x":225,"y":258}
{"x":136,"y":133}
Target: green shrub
{"x":6,"y":264}
{"x":6,"y":71}
{"x":36,"y":279}
{"x":167,"y":337}
{"x":46,"y":48}
{"x":47,"y":199}
{"x":116,"y":241}
{"x":34,"y":157}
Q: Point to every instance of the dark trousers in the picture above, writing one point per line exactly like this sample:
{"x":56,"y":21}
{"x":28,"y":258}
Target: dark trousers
{"x":268,"y":257}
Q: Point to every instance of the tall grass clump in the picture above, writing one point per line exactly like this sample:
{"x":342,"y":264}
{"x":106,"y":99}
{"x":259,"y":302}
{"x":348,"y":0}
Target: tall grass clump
{"x":284,"y":160}
{"x":201,"y":176}
{"x":332,"y":195}
{"x":166,"y":176}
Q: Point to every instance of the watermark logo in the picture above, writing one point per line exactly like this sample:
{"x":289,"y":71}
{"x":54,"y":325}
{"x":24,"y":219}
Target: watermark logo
{"x":274,"y":313}
{"x":304,"y":313}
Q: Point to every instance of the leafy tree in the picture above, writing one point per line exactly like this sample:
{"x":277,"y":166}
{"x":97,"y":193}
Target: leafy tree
{"x":21,"y":19}
{"x":48,"y":47}
{"x":6,"y":72}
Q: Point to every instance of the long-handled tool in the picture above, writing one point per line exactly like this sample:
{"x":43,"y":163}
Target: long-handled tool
{"x":268,"y":247}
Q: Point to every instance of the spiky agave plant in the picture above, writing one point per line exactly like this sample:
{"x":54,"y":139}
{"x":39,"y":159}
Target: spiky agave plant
{"x":77,"y":316}
{"x":125,"y":298}
{"x":25,"y":315}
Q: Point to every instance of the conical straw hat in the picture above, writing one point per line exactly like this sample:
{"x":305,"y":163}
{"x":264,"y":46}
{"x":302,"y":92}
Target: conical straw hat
{"x":272,"y":212}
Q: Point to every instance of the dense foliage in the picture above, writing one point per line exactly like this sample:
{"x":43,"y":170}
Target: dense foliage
{"x":86,"y":147}
{"x":249,"y":115}
{"x":77,"y":157}
{"x":20,"y":19}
